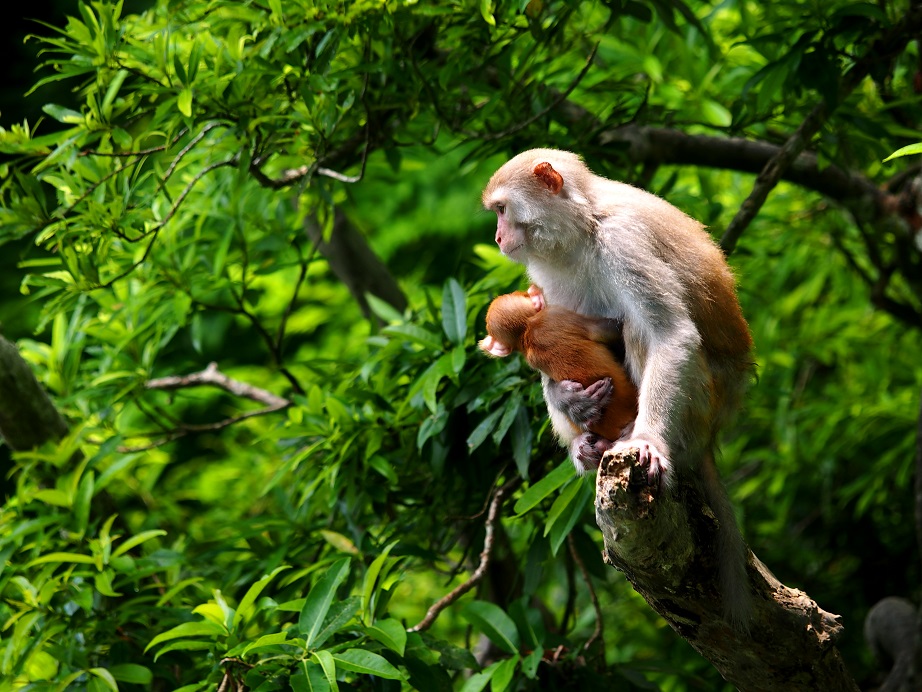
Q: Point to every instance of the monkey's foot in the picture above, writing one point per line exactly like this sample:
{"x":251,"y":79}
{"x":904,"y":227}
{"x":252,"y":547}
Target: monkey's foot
{"x":586,"y":451}
{"x":659,"y":468}
{"x":537,"y":297}
{"x":582,"y":405}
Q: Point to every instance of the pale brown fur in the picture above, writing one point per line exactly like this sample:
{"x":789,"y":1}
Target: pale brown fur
{"x":565,"y":345}
{"x":607,"y":249}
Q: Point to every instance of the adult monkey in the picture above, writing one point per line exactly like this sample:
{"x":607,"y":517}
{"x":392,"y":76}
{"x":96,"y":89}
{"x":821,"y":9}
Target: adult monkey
{"x":606,"y":249}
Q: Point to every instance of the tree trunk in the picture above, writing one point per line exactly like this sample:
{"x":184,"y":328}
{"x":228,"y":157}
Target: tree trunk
{"x":28,"y":418}
{"x":665,"y":543}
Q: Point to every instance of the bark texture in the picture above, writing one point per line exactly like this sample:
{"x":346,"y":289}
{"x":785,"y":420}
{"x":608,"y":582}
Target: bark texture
{"x":665,"y":543}
{"x":28,"y":418}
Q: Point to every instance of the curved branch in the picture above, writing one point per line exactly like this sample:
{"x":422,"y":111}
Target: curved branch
{"x":478,"y":574}
{"x":213,"y":377}
{"x":209,"y":377}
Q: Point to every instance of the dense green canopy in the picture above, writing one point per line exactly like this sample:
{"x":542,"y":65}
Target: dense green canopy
{"x":253,"y":268}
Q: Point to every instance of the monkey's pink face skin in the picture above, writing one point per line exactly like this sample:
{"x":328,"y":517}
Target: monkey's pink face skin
{"x":509,"y":238}
{"x":493,"y":347}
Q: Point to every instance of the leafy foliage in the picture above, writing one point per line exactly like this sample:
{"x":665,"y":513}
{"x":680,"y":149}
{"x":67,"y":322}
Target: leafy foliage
{"x":183,"y":538}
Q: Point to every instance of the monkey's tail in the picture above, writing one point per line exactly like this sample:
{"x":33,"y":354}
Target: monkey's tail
{"x":731,"y":550}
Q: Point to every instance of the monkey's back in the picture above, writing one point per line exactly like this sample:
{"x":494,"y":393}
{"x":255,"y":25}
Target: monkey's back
{"x":687,"y":252}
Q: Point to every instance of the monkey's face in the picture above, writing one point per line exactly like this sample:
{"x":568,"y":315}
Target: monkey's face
{"x":512,"y":233}
{"x":536,"y":216}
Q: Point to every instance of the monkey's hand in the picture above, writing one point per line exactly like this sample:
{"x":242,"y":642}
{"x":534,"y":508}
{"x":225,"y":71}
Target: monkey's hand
{"x":582,"y":405}
{"x":586,"y":451}
{"x":537,"y":297}
{"x":659,"y":468}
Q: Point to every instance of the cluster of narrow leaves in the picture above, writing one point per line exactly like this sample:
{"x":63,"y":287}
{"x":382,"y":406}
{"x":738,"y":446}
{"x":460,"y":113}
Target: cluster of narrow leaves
{"x":300,"y":595}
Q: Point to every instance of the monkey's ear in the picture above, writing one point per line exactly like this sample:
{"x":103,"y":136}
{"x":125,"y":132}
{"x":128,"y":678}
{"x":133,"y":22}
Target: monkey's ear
{"x":552,"y":180}
{"x":492,"y":347}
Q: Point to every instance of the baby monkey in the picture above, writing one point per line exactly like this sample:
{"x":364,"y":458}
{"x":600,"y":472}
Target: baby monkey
{"x":567,"y":347}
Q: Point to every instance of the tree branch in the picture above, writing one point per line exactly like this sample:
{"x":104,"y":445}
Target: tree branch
{"x":891,"y":43}
{"x":478,"y":573}
{"x":213,"y":377}
{"x":665,"y":543}
{"x":28,"y":418}
{"x":353,"y":261}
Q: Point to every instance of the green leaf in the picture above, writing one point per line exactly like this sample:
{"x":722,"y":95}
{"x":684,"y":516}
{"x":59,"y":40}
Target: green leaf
{"x":63,"y":115}
{"x":370,"y":581}
{"x":368,"y":663}
{"x":82,"y":501}
{"x":137,"y":540}
{"x":184,"y":102}
{"x":490,"y":619}
{"x":266,"y":640}
{"x":325,"y":659}
{"x":906,"y":151}
{"x":431,"y":425}
{"x":63,"y":557}
{"x":245,"y":609}
{"x":566,"y":511}
{"x":486,"y":11}
{"x":510,"y":410}
{"x":479,"y":681}
{"x":418,"y":335}
{"x":531,"y":662}
{"x":339,"y":615}
{"x":430,"y":380}
{"x":204,"y":628}
{"x":454,"y":312}
{"x":543,"y":488}
{"x":106,"y":677}
{"x":58,"y":498}
{"x":314,"y":679}
{"x":522,"y":437}
{"x":458,"y":358}
{"x":112,"y":92}
{"x":483,"y":429}
{"x":131,"y":672}
{"x":390,"y":633}
{"x":383,"y":310}
{"x":185,"y":645}
{"x":504,"y":673}
{"x":103,"y":583}
{"x":319,"y":600}
{"x":342,"y":543}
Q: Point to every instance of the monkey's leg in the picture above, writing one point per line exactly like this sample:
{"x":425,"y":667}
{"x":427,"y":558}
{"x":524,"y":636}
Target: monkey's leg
{"x":586,"y":451}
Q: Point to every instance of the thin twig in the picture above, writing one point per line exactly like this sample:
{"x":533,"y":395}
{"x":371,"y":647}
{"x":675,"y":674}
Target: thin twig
{"x":141,"y":152}
{"x":544,"y":111}
{"x":302,"y":274}
{"x":211,"y":376}
{"x":186,"y":149}
{"x":597,"y":632}
{"x":232,"y":161}
{"x":190,"y":429}
{"x":478,"y":573}
{"x":330,"y":173}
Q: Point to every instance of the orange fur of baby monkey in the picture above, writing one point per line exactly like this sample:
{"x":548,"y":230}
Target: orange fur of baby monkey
{"x":565,"y":345}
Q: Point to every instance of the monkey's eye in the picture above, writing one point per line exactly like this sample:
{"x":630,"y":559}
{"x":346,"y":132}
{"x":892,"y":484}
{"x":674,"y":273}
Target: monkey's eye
{"x":500,"y":209}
